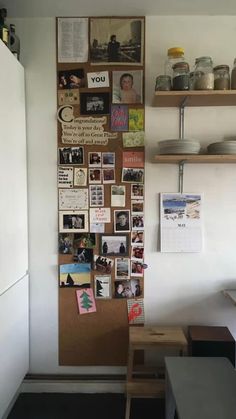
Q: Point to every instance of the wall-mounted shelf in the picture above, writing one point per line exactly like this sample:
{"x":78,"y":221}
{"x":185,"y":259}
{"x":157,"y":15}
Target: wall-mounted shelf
{"x":196,"y":158}
{"x":195,"y":98}
{"x":231,"y":294}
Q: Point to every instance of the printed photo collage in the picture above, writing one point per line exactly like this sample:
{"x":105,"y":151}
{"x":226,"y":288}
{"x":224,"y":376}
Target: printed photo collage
{"x":101,"y":158}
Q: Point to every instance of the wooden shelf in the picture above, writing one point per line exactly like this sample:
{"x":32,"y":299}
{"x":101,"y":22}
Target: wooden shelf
{"x":231,"y":294}
{"x":195,"y":98}
{"x":196,"y":158}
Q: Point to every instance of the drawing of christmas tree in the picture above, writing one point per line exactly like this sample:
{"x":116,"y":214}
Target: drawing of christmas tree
{"x":85,"y":299}
{"x":86,"y":303}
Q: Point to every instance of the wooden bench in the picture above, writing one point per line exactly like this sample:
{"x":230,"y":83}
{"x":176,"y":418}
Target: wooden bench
{"x":200,"y":388}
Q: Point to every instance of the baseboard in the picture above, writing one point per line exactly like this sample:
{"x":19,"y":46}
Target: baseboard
{"x":5,"y":416}
{"x":71,"y":386}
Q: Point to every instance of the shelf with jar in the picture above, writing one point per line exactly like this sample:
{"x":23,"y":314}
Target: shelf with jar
{"x":175,"y":98}
{"x":196,"y":158}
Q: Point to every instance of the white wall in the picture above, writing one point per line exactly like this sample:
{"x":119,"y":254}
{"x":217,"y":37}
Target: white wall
{"x":179,"y":288}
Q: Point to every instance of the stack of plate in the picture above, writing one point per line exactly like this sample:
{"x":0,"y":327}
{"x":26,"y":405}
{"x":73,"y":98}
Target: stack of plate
{"x":222,"y":147}
{"x":179,"y":146}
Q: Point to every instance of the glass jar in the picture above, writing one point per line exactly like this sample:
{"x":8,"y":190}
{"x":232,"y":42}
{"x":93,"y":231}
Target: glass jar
{"x":191,"y":80}
{"x":222,"y":78}
{"x":233,"y":76}
{"x":174,"y":56}
{"x":203,"y":74}
{"x":181,"y":76}
{"x":163,"y":83}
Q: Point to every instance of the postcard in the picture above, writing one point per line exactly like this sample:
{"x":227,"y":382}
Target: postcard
{"x":117,"y":40}
{"x":136,"y":119}
{"x":114,"y":244}
{"x":73,"y":199}
{"x":83,"y":255}
{"x":85,"y":300}
{"x":136,"y":311}
{"x":75,"y":275}
{"x":128,"y":288}
{"x":119,"y":118}
{"x":65,"y":177}
{"x":99,"y":79}
{"x":68,"y":97}
{"x":102,"y":285}
{"x":127,"y":86}
{"x":133,"y":139}
{"x":97,"y":227}
{"x":73,"y":221}
{"x":94,"y":103}
{"x":133,"y":159}
{"x":80,"y":176}
{"x":100,"y":215}
{"x":117,"y":196}
{"x":132,"y":175}
{"x":108,"y":175}
{"x":72,"y":40}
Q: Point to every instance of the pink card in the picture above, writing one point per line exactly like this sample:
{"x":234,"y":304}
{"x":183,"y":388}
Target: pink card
{"x":85,"y":300}
{"x":133,"y":159}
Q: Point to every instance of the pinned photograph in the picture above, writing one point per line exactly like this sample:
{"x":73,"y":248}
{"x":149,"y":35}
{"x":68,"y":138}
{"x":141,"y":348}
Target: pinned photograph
{"x":137,"y":253}
{"x":118,"y":196}
{"x":71,"y":155}
{"x":96,"y":194}
{"x":137,"y":222}
{"x":108,"y":175}
{"x":76,"y":221}
{"x":85,"y":300}
{"x":94,"y":103}
{"x":137,"y":191}
{"x":127,"y":87}
{"x":95,"y":176}
{"x":121,"y":220}
{"x":133,"y":139}
{"x":83,"y":255}
{"x":72,"y":199}
{"x":102,"y":285}
{"x":84,"y":240}
{"x":108,"y":159}
{"x":102,"y":264}
{"x":137,"y":238}
{"x":75,"y":275}
{"x":132,"y":175}
{"x":80,"y":176}
{"x":128,"y":289}
{"x":114,"y":245}
{"x":94,"y":159}
{"x":136,"y":268}
{"x":122,"y":268}
{"x":66,"y":244}
{"x":71,"y":79}
{"x":137,"y":207}
{"x":117,"y":40}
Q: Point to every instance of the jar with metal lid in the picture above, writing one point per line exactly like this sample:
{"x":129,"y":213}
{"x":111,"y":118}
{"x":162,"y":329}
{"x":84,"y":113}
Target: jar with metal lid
{"x":233,"y":76}
{"x":181,"y":76}
{"x":222,"y":77}
{"x":174,"y":56}
{"x":203,"y":74}
{"x":163,"y":83}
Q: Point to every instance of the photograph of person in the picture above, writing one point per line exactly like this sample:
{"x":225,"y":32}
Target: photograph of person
{"x":127,"y":87}
{"x":114,"y":244}
{"x":121,"y":220}
{"x":76,"y":221}
{"x":137,"y":191}
{"x":117,"y":40}
{"x":137,"y":238}
{"x":71,"y":79}
{"x":136,"y":268}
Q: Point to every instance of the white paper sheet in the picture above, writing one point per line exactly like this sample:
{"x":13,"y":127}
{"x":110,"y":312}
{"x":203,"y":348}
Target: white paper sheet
{"x":72,"y":40}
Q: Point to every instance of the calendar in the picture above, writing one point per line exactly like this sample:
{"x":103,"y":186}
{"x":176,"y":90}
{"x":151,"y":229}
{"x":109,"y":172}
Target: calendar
{"x":181,"y":222}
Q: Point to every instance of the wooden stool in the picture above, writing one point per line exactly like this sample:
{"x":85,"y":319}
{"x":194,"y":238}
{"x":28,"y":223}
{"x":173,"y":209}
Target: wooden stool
{"x":142,"y":338}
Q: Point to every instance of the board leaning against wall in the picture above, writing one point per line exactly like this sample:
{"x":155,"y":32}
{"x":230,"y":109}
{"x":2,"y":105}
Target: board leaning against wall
{"x":100,"y":86}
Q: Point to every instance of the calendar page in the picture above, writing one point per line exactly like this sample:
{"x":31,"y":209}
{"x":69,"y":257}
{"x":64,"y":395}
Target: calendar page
{"x":181,"y":222}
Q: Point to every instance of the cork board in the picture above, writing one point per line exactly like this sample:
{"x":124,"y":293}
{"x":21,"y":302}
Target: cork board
{"x":101,"y":337}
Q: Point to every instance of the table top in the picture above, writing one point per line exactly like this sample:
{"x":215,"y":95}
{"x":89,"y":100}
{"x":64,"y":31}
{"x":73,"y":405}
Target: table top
{"x":202,"y":387}
{"x":157,"y":335}
{"x":210,"y":333}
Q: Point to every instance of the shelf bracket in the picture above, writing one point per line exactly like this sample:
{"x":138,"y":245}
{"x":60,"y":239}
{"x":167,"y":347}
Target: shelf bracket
{"x":181,"y":117}
{"x":181,"y":176}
